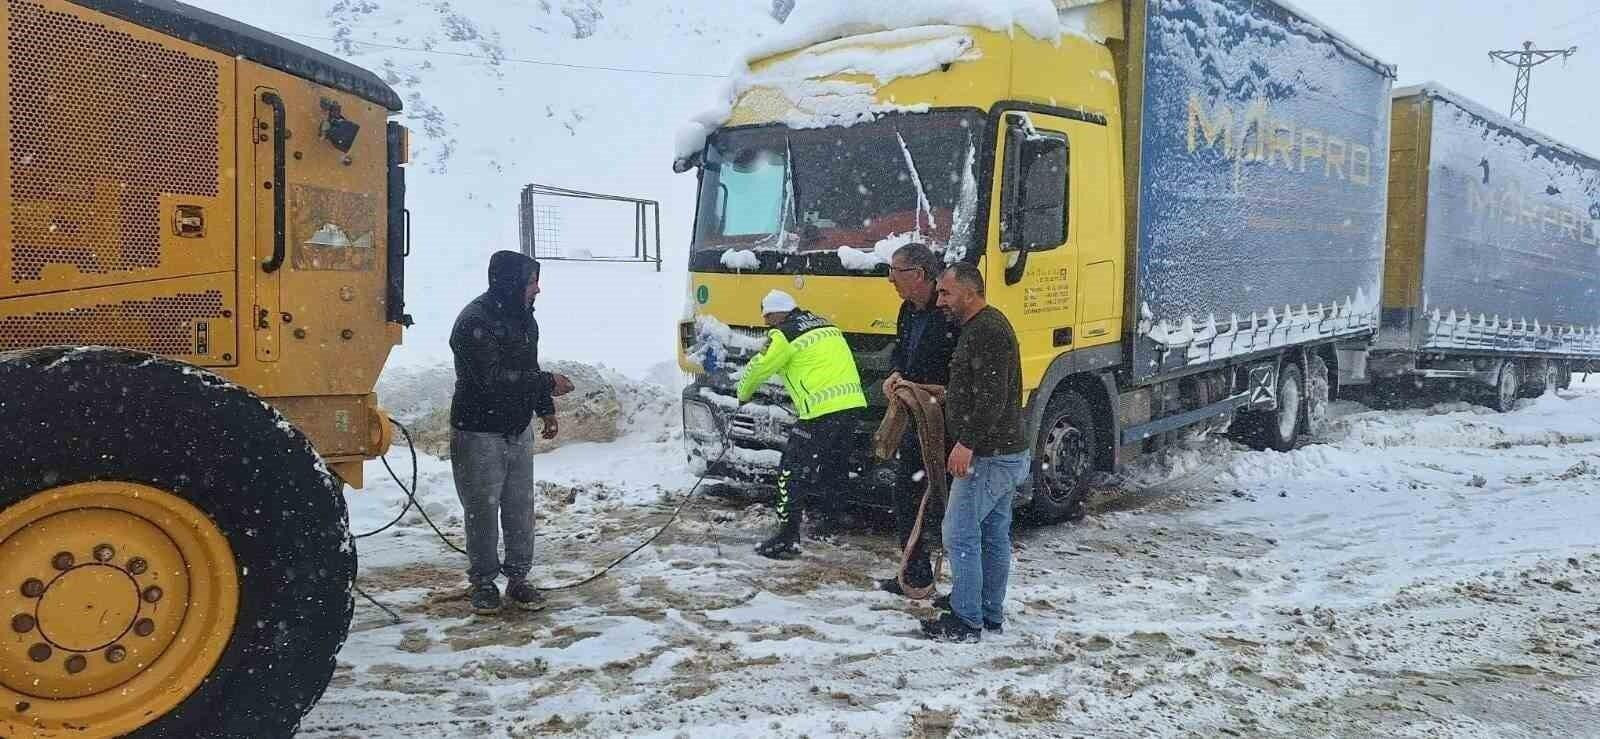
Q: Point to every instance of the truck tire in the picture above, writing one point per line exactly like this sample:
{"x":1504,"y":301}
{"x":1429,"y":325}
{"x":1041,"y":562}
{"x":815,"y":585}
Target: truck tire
{"x":1319,"y":393}
{"x":1507,"y":388}
{"x":1278,"y":429}
{"x":1064,"y":459}
{"x":201,"y":528}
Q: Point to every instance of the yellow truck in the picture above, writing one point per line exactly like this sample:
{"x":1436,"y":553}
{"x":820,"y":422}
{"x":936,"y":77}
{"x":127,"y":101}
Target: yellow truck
{"x":202,"y":242}
{"x":1180,"y":206}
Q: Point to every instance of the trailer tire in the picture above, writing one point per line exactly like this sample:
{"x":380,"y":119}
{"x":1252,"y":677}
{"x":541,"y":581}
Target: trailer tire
{"x":1319,"y":393}
{"x":1565,"y":382}
{"x":1278,"y":429}
{"x":1507,"y":388}
{"x":1064,"y":459}
{"x":128,"y":463}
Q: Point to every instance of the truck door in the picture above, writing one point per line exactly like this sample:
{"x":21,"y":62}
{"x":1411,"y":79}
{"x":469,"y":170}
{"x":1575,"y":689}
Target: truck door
{"x":1035,"y":269}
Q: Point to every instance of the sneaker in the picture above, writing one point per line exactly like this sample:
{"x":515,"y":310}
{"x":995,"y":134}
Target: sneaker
{"x":948,"y":628}
{"x":943,"y":603}
{"x":892,"y":586}
{"x":525,"y":596}
{"x":486,"y":599}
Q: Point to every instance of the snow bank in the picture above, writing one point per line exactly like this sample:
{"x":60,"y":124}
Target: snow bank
{"x":604,"y":406}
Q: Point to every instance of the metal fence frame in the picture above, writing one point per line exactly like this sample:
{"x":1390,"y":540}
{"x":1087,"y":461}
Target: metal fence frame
{"x":647,"y":224}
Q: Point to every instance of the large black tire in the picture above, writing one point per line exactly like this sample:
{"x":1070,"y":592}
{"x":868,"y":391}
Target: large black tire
{"x":1277,"y":429}
{"x":1508,"y":387}
{"x":1064,"y":459}
{"x":83,"y":415}
{"x":1319,"y":394}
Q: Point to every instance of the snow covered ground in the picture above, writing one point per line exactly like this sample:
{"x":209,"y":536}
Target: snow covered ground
{"x":1418,"y":572}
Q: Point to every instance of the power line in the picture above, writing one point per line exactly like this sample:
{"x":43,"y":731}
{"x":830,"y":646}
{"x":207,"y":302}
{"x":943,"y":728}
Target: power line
{"x":513,"y":60}
{"x":1576,"y":20}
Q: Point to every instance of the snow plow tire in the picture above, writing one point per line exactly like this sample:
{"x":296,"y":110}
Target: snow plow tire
{"x":74,"y":416}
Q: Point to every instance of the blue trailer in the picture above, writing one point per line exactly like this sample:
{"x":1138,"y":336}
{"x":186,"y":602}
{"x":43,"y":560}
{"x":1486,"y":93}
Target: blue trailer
{"x":1493,"y":272}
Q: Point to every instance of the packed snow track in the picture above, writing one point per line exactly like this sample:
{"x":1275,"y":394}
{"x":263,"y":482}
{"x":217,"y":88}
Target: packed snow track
{"x":1420,"y":572}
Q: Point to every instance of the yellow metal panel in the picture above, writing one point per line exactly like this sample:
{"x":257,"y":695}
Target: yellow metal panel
{"x":187,"y":318}
{"x":863,"y":305}
{"x":1408,"y":195}
{"x":325,"y":307}
{"x":338,"y":426}
{"x":97,"y":164}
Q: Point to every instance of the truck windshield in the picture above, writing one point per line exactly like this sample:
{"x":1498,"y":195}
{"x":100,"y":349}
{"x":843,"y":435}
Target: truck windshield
{"x":837,"y":200}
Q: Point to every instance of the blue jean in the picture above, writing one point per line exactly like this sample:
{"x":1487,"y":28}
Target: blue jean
{"x":977,"y":536}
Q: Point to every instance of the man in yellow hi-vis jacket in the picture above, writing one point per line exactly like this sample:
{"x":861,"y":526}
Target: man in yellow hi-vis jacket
{"x":820,"y":374}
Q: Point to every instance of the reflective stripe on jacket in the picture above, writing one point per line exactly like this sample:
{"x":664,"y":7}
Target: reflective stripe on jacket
{"x":817,"y":367}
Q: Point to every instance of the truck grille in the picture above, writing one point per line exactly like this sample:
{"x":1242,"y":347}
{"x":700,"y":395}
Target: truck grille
{"x":164,"y":325}
{"x":102,"y":126}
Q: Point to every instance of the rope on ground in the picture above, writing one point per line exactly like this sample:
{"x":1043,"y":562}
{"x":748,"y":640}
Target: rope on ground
{"x":411,"y":501}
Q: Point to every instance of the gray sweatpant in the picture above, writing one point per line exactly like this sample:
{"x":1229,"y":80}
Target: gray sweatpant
{"x":494,"y":479}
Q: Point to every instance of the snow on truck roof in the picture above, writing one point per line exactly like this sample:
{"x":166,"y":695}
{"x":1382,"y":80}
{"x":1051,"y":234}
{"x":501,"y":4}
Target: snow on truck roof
{"x":924,"y":23}
{"x":1436,"y":90}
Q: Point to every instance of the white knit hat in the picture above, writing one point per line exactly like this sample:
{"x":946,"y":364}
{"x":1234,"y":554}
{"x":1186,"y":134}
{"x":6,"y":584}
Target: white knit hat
{"x":777,"y":301}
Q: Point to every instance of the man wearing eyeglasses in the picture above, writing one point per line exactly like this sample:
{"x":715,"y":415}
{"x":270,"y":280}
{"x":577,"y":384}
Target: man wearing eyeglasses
{"x":925,"y":341}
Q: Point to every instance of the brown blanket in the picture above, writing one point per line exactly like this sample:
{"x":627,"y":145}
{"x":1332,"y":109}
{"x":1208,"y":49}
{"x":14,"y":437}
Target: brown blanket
{"x":916,"y":404}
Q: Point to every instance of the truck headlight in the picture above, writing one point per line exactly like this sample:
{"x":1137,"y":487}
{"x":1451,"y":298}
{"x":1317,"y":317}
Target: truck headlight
{"x":699,"y":420}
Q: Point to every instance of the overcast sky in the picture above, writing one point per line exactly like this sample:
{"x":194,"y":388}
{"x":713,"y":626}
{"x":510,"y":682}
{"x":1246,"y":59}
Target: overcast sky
{"x":1448,"y":41}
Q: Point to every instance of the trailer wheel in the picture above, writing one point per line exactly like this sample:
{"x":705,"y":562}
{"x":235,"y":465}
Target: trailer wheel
{"x":1278,"y":429}
{"x":1565,"y":380}
{"x":1508,"y":387}
{"x":1064,"y":462}
{"x":1552,"y":379}
{"x":1319,"y":393}
{"x":175,"y":559}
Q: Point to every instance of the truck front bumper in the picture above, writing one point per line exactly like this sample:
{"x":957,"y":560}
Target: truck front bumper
{"x":743,"y":444}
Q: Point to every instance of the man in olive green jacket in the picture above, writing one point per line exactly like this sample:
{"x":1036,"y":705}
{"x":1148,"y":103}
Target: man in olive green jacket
{"x":820,"y":374}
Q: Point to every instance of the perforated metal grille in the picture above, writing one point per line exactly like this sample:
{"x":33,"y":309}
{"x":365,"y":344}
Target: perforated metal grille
{"x":102,"y":125}
{"x":164,"y":325}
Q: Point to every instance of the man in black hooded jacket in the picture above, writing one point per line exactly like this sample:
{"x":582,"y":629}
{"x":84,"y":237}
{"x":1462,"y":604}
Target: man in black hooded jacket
{"x":499,"y":389}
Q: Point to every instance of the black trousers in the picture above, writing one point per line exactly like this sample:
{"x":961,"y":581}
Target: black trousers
{"x":910,"y":483}
{"x":816,"y":464}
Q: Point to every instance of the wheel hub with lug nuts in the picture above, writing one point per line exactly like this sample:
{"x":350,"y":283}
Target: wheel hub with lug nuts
{"x":119,"y":599}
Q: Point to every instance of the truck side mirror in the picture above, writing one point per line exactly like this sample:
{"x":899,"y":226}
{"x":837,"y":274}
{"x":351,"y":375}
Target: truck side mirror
{"x":1034,"y":195}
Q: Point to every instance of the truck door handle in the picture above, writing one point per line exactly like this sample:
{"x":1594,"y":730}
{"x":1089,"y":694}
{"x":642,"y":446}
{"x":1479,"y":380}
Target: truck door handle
{"x":279,"y":237}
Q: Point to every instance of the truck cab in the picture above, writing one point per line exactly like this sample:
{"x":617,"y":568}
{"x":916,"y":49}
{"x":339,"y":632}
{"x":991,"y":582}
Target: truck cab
{"x":995,"y":148}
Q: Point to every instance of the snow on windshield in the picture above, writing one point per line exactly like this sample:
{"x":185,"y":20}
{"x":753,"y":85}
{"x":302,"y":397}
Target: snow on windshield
{"x":774,"y":189}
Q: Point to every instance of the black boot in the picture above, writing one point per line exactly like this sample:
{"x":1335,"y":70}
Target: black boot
{"x":785,"y":542}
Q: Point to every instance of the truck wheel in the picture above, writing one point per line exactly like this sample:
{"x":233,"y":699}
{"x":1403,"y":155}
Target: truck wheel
{"x":1063,"y":464}
{"x":175,"y":559}
{"x":1319,"y":393}
{"x":1552,"y":379}
{"x":1508,"y":387}
{"x":1278,"y":429}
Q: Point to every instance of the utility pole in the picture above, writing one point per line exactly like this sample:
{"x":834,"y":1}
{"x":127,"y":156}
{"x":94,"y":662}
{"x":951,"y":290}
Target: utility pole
{"x":1525,"y":60}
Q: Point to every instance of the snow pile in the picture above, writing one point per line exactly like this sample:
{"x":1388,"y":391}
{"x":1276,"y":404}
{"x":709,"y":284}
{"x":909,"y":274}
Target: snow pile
{"x":604,"y":406}
{"x":817,"y":21}
{"x":886,"y":41}
{"x":741,"y":259}
{"x":867,"y":260}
